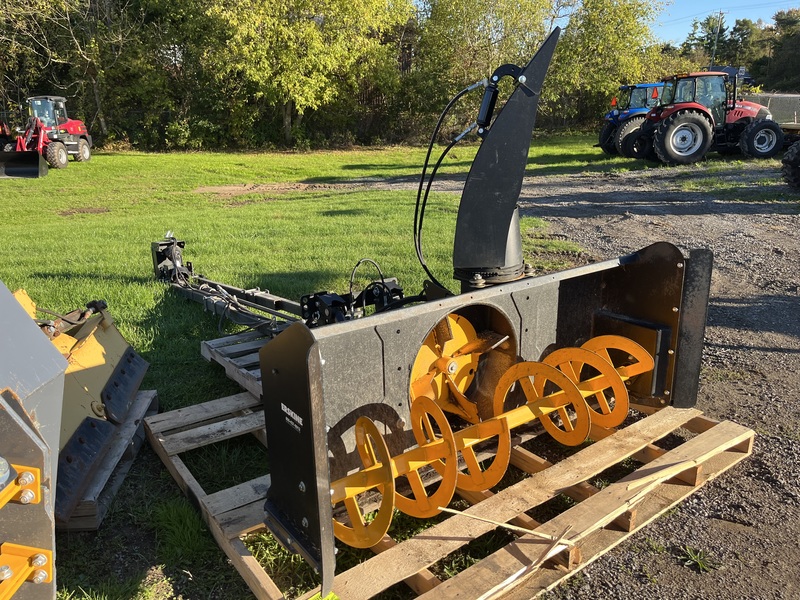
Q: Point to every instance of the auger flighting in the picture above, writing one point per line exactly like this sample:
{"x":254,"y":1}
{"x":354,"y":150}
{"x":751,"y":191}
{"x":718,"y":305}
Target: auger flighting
{"x":570,"y":390}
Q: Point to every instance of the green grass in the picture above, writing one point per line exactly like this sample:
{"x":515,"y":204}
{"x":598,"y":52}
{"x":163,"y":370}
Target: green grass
{"x":84,"y":233}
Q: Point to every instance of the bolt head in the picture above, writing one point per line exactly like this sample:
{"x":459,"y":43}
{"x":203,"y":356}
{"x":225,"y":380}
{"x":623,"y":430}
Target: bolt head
{"x":38,"y":560}
{"x":39,"y":576}
{"x":304,"y":523}
{"x":5,"y":572}
{"x":302,"y":486}
{"x":26,"y":497}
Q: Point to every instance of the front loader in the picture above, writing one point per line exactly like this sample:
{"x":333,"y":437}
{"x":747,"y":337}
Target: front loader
{"x":51,"y":135}
{"x":400,"y":408}
{"x":18,"y":164}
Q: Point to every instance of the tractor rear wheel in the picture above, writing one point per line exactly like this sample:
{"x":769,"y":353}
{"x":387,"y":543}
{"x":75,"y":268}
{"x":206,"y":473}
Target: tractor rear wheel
{"x":84,"y":152}
{"x":791,"y":166}
{"x":761,"y":139}
{"x":683,"y":138}
{"x":57,"y":156}
{"x":607,"y":138}
{"x":625,"y":130}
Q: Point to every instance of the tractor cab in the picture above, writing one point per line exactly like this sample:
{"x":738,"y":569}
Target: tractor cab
{"x":643,"y":95}
{"x":50,"y":110}
{"x":709,"y":90}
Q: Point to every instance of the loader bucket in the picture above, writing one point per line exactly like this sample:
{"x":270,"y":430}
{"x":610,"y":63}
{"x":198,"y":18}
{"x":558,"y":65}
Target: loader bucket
{"x":102,"y":379}
{"x":22,"y":164}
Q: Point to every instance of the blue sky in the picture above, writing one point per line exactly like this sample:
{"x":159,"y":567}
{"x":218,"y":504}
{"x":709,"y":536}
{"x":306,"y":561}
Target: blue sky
{"x":675,"y":22}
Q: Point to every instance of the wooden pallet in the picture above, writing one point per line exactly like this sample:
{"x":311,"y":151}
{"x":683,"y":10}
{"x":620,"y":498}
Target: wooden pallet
{"x":106,"y":481}
{"x":600,"y":520}
{"x":238,"y":354}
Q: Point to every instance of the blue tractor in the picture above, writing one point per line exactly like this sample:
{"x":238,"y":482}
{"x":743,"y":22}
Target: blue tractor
{"x":627,"y":114}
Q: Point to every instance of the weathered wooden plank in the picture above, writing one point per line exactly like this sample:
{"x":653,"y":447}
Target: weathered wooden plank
{"x":198,"y":413}
{"x":233,"y":497}
{"x":242,"y":520}
{"x":247,"y":361}
{"x":212,"y":433}
{"x":236,"y":338}
{"x":420,"y":552}
{"x":231,"y":351}
{"x":597,"y":511}
{"x":421,"y":582}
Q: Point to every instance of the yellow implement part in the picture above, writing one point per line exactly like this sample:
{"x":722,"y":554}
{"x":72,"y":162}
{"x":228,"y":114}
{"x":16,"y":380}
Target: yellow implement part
{"x":21,"y":565}
{"x":93,"y":352}
{"x":26,"y":487}
{"x":439,"y":451}
{"x":554,"y":391}
{"x":374,"y":453}
{"x":445,"y":366}
{"x":598,"y":382}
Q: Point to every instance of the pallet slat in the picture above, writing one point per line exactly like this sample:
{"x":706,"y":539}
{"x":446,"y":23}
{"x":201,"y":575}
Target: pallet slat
{"x":238,"y":354}
{"x":633,"y":500}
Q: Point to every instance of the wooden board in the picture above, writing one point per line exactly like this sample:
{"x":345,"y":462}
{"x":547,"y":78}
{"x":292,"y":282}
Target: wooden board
{"x":665,"y":477}
{"x":238,"y":354}
{"x":127,"y":439}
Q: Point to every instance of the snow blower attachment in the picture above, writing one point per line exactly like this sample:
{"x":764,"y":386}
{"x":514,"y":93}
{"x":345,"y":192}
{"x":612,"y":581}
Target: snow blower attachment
{"x":420,"y":399}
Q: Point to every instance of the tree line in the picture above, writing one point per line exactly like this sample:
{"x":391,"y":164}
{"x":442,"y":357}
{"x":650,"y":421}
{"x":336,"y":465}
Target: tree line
{"x":771,"y":54}
{"x":227,"y":74}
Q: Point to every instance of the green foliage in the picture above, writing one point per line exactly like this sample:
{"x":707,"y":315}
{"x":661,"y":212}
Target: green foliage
{"x":697,"y":559}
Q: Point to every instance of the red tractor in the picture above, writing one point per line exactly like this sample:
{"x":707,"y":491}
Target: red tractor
{"x":51,"y":133}
{"x":5,"y":135}
{"x":700,"y":112}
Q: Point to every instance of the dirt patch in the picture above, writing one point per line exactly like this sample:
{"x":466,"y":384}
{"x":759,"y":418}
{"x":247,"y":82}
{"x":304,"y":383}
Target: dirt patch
{"x":232,"y":191}
{"x":87,"y":210}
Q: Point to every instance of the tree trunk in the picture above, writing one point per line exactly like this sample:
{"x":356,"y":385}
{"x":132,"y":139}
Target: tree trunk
{"x":287,"y":123}
{"x":100,"y":116}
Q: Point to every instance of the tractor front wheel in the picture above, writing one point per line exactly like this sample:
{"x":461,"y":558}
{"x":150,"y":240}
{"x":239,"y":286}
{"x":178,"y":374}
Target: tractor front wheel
{"x":607,"y":138}
{"x":791,"y":166}
{"x":628,"y":128}
{"x":761,"y":139}
{"x":683,"y":138}
{"x":57,"y":156}
{"x":84,"y":152}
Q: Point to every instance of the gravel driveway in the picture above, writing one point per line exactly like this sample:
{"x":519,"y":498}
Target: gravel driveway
{"x":747,"y":522}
